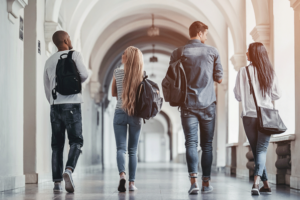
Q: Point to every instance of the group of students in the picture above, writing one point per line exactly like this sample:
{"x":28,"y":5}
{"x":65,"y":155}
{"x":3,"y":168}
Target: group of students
{"x":202,"y":67}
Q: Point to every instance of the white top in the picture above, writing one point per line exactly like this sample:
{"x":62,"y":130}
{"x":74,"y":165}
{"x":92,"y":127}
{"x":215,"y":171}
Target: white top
{"x":119,"y":76}
{"x":242,"y":92}
{"x":49,"y":78}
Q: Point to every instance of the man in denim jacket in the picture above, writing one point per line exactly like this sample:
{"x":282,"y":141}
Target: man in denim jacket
{"x":202,"y":67}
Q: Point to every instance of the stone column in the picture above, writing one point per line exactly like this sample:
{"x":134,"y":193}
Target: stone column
{"x":295,"y":145}
{"x":238,"y":61}
{"x":37,"y":131}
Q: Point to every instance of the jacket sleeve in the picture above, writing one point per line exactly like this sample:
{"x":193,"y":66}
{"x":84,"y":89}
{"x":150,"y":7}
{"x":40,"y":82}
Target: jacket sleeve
{"x":237,"y":87}
{"x":47,"y":85}
{"x":218,"y":69}
{"x":276,"y":92}
{"x":81,"y":67}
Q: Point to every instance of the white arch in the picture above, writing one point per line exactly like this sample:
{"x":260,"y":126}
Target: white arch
{"x":136,"y":7}
{"x":82,"y":10}
{"x":104,"y":47}
{"x":52,"y":10}
{"x":234,"y":24}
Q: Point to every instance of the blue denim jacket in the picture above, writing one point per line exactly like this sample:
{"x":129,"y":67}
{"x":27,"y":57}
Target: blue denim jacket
{"x":202,"y":68}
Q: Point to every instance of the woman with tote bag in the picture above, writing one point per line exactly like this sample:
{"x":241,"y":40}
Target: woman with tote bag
{"x":256,"y":87}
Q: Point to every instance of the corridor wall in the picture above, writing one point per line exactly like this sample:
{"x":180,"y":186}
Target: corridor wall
{"x":11,"y":100}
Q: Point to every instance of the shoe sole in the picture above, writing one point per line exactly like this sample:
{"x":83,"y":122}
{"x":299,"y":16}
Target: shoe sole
{"x":255,"y":192}
{"x":194,"y":191}
{"x":207,"y":191}
{"x":122,"y":185}
{"x":69,"y":186}
{"x":267,"y":193}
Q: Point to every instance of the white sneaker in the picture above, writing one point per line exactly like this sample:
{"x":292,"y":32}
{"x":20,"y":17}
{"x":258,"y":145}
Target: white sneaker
{"x":132,"y":188}
{"x":57,"y":187}
{"x":69,"y":184}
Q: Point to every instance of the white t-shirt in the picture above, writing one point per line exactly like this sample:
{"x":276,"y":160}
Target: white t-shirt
{"x":49,"y":78}
{"x":242,"y":92}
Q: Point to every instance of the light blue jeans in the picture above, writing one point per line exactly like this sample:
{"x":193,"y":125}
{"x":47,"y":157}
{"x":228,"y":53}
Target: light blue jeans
{"x":259,"y":143}
{"x":121,"y":122}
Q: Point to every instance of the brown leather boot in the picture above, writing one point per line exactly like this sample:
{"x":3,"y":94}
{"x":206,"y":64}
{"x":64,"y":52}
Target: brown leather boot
{"x":264,"y":190}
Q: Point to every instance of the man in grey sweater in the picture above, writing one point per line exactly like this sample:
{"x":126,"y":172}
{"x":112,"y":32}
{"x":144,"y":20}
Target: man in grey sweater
{"x":65,"y":114}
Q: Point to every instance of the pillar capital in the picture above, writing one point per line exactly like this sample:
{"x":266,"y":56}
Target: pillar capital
{"x":50,"y":29}
{"x":295,"y":3}
{"x":13,"y":7}
{"x":238,"y":61}
{"x":261,"y":33}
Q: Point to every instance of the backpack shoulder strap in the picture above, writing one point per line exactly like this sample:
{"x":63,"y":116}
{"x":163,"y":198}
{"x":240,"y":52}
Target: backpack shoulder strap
{"x":70,"y":54}
{"x":251,"y":87}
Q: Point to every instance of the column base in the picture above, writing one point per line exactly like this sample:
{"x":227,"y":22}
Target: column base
{"x":229,"y":170}
{"x":11,"y":182}
{"x":38,"y":178}
{"x":295,"y":182}
{"x":242,"y":173}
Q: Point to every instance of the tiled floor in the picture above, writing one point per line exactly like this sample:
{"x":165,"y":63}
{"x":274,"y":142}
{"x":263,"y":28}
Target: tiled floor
{"x":155,"y":182}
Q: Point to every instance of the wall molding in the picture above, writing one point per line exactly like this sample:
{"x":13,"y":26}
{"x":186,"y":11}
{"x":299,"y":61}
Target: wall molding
{"x":13,"y":8}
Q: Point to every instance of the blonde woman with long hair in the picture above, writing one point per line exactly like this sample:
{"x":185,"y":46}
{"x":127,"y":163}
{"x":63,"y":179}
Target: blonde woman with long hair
{"x":124,"y":87}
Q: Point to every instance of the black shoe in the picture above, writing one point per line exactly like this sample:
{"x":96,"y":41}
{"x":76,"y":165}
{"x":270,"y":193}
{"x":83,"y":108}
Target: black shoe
{"x":122,"y":185}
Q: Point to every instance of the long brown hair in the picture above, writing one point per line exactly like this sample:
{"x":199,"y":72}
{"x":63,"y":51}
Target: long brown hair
{"x":133,"y":68}
{"x":260,"y":60}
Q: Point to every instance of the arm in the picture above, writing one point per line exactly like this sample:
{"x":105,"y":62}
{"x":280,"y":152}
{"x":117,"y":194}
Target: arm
{"x":276,"y":92}
{"x":47,"y":85}
{"x":114,"y":91}
{"x":218,"y":69}
{"x":83,"y":73}
{"x":237,"y":88}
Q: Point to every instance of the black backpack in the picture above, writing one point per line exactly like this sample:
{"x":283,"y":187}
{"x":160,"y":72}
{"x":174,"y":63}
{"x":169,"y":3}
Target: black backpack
{"x":67,"y":77}
{"x":174,"y":85}
{"x":148,"y":100}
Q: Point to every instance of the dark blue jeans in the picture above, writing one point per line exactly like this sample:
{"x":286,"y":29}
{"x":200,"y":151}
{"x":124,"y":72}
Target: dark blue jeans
{"x":121,"y":120}
{"x":191,"y":119}
{"x":259,"y":143}
{"x":65,"y":117}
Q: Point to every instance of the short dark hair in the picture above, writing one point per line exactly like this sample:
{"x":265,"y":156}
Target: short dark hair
{"x":196,"y":27}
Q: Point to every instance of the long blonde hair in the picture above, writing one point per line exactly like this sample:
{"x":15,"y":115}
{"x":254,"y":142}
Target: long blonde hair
{"x":133,"y":68}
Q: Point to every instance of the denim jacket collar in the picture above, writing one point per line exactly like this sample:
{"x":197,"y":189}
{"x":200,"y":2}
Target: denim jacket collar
{"x":194,"y":41}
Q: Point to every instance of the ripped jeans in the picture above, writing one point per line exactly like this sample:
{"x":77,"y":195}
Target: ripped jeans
{"x":65,"y":117}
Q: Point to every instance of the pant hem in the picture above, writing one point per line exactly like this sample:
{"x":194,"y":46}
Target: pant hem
{"x":70,"y":168}
{"x":57,"y":180}
{"x":122,"y":172}
{"x":206,"y":177}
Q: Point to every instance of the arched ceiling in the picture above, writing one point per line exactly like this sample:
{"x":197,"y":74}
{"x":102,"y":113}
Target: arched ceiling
{"x":105,"y":28}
